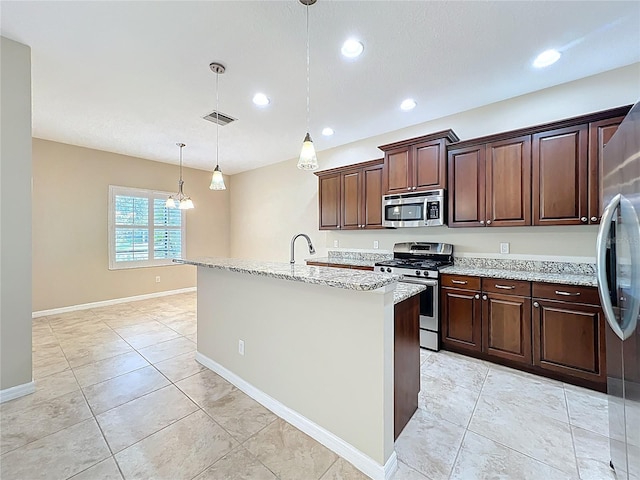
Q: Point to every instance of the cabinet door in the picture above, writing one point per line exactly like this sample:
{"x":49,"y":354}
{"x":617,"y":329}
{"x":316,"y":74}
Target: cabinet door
{"x":507,"y":327}
{"x":461,"y":319}
{"x":569,"y":338}
{"x":508,"y":182}
{"x":599,"y":135}
{"x":399,"y":173}
{"x":466,"y":187}
{"x":560,"y":176}
{"x":329,"y":199}
{"x":429,"y":165}
{"x":372,"y":197}
{"x":351,"y":193}
{"x":406,"y":361}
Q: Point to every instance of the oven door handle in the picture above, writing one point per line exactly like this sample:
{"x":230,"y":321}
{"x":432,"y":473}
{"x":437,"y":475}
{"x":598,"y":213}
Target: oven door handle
{"x":427,"y":283}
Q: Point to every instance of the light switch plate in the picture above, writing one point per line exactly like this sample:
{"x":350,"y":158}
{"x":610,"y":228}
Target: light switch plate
{"x":504,"y":247}
{"x":375,"y":244}
{"x":335,"y":243}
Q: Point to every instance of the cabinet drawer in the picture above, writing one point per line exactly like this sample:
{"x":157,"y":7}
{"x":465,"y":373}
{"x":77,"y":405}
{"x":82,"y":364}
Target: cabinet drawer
{"x":460,"y":281}
{"x":509,"y":287}
{"x":566,"y":293}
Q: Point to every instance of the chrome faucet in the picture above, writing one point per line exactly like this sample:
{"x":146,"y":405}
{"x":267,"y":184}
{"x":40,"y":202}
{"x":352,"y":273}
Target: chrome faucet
{"x":312,"y":250}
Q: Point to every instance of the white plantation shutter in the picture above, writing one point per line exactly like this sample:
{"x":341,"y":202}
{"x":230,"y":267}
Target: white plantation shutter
{"x":143,"y":232}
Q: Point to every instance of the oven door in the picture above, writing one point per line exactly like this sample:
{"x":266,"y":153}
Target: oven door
{"x":429,"y":318}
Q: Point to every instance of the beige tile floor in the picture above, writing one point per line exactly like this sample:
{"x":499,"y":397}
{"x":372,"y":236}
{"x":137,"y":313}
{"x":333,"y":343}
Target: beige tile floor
{"x":119,"y":395}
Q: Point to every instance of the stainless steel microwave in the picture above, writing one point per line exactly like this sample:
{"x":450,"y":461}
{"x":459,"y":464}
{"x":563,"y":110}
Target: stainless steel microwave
{"x":420,"y":209}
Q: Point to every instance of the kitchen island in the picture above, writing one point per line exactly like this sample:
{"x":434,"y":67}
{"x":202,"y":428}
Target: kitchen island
{"x":313,"y":344}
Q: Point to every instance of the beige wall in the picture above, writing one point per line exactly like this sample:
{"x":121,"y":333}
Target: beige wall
{"x":15,"y":214}
{"x":70,"y":215}
{"x":270,"y":204}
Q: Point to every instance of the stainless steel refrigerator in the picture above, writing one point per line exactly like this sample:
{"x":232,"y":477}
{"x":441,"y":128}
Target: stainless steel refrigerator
{"x":618,"y":270}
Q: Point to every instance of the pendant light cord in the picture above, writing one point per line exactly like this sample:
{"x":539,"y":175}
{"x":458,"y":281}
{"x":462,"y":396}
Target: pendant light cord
{"x":308,"y":68}
{"x":180,"y":182}
{"x":217,"y":117}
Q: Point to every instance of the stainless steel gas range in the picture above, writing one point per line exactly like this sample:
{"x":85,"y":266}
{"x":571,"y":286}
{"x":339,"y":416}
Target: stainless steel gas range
{"x":419,"y":262}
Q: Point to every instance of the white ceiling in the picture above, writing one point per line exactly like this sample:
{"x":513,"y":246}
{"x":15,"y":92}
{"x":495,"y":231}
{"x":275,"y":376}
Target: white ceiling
{"x":133,"y":77}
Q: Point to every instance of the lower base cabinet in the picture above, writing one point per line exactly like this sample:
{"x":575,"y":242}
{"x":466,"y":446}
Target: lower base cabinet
{"x":406,"y":361}
{"x":549,"y":329}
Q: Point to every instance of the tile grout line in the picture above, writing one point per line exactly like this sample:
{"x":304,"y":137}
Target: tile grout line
{"x":573,"y":440}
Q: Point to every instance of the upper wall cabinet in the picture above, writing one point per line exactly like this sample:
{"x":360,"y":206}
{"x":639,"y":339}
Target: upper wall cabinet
{"x":417,"y":164}
{"x":350,"y":197}
{"x":490,"y":184}
{"x":544,"y":175}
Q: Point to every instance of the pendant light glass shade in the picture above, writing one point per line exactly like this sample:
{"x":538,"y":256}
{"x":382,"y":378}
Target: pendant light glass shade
{"x":308,"y":159}
{"x":217,"y":180}
{"x":182,"y":201}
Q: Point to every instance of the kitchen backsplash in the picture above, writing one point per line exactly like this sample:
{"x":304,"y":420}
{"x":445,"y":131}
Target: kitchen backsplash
{"x":527,"y":265}
{"x":356,"y":255}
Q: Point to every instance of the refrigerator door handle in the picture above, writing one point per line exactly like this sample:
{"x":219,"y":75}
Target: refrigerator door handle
{"x":601,"y":270}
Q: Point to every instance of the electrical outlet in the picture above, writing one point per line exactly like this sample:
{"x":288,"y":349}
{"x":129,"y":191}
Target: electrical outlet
{"x":158,"y":279}
{"x":375,"y":244}
{"x":335,"y":243}
{"x":504,"y":247}
{"x":241,"y":347}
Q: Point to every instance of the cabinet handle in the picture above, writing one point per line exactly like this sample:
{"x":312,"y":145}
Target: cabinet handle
{"x":481,"y":222}
{"x":594,"y":219}
{"x":583,"y":219}
{"x":536,"y":304}
{"x":567,"y":294}
{"x":505,"y":287}
{"x":484,"y":297}
{"x":476,"y":296}
{"x":459,"y":282}
{"x":488,"y":222}
{"x":409,"y":188}
{"x":338,"y":226}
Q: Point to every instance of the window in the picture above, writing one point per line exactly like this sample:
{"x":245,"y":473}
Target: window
{"x":142,"y":231}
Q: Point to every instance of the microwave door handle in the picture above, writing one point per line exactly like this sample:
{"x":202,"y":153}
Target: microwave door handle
{"x":601,"y":269}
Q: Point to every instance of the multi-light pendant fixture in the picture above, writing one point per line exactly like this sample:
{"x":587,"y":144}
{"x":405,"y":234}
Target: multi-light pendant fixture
{"x":217,"y":180}
{"x":308,"y":159}
{"x":182,"y":201}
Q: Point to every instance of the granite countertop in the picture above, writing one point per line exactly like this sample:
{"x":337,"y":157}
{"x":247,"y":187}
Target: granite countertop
{"x":406,"y":290}
{"x":532,"y":276}
{"x":332,"y":277}
{"x":343,"y":261}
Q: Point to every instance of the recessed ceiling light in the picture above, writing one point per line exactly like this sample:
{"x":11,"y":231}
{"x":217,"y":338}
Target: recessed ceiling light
{"x":327,"y":131}
{"x":261,"y":99}
{"x":546,"y":58}
{"x":408,"y":104}
{"x":352,"y":48}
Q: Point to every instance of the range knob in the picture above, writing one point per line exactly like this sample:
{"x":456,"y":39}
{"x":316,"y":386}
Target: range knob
{"x":382,"y":269}
{"x":418,"y":272}
{"x":388,"y":270}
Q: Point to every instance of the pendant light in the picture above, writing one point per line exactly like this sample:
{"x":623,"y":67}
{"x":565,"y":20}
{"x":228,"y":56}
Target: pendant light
{"x":182,"y":201}
{"x":217,"y":180}
{"x":308,"y":159}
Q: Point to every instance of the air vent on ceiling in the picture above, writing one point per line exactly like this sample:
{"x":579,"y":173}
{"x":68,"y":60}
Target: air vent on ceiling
{"x":222,"y":119}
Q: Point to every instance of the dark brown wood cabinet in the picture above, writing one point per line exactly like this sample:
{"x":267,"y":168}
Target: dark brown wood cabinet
{"x":329,"y":200}
{"x":406,"y":361}
{"x":461,"y":313}
{"x":506,"y":317}
{"x":350,"y":198}
{"x":569,"y":331}
{"x":490,"y":184}
{"x":417,"y":164}
{"x":600,"y":132}
{"x":560,"y":169}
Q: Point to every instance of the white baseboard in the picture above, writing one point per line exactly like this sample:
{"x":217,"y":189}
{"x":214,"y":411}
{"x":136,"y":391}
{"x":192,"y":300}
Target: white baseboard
{"x":362,"y":462}
{"x":17,"y":391}
{"x":114,"y":301}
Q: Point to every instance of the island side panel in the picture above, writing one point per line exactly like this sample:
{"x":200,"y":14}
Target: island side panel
{"x":325,"y":352}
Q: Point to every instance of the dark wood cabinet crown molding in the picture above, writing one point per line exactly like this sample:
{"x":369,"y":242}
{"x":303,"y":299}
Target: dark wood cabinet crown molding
{"x":448,"y":135}
{"x":568,"y":122}
{"x":354,"y":166}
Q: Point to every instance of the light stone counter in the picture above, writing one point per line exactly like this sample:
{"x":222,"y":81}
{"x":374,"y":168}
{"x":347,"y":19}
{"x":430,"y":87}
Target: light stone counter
{"x":332,"y":277}
{"x":532,"y":276}
{"x":406,"y":290}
